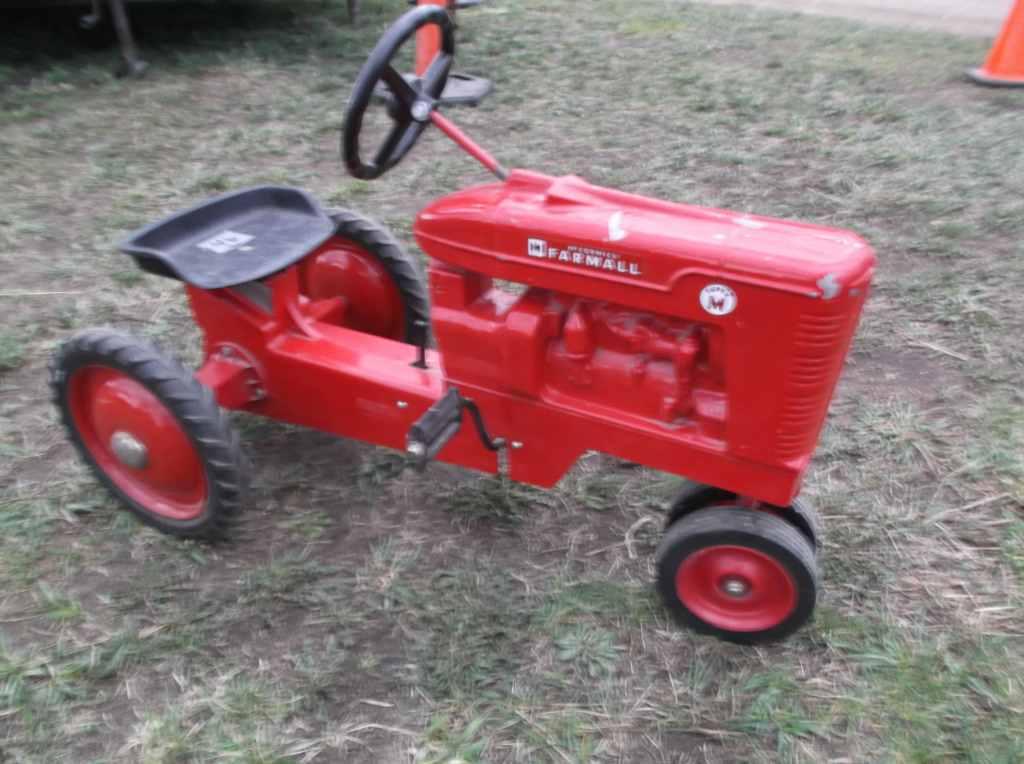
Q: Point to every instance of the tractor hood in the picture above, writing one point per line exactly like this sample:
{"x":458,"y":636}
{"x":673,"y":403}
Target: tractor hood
{"x":568,"y":235}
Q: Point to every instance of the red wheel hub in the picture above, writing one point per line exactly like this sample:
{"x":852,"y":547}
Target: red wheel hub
{"x":736,"y":588}
{"x":137,"y":442}
{"x":373,"y":303}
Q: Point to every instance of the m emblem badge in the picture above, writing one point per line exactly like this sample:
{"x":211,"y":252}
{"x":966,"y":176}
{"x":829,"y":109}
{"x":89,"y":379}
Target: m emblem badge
{"x":718,"y":299}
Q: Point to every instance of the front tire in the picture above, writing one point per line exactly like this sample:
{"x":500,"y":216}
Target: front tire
{"x":742,"y":575}
{"x":150,"y":432}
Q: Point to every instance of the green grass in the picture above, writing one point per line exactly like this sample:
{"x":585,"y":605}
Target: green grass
{"x":932,"y":697}
{"x":12,"y":350}
{"x":366,"y":613}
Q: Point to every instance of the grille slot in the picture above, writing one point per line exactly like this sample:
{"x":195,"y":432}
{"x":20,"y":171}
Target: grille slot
{"x":818,"y":351}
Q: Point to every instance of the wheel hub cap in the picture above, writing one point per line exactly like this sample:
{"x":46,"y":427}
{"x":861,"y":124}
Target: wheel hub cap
{"x":129,"y":450}
{"x":420,"y":111}
{"x":136,"y":442}
{"x":735,"y":587}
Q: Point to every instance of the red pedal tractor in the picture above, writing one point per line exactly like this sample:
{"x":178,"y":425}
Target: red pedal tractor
{"x":700,"y":342}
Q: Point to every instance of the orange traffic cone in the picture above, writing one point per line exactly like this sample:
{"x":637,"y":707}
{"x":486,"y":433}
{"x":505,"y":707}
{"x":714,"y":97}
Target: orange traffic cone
{"x":428,"y":40}
{"x":1004,"y":66}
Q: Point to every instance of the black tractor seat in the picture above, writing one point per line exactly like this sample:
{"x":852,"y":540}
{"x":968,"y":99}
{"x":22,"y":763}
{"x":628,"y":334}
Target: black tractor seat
{"x":231,"y":239}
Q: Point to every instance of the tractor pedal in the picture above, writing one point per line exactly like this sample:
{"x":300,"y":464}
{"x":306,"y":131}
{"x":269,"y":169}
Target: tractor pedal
{"x":434,"y":429}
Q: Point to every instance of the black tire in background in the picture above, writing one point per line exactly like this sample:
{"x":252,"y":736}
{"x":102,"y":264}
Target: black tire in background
{"x":400,"y":266}
{"x":801,"y":513}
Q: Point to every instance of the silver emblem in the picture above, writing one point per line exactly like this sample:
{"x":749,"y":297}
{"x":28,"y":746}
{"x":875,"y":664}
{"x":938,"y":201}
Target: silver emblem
{"x":420,"y":111}
{"x":129,"y":450}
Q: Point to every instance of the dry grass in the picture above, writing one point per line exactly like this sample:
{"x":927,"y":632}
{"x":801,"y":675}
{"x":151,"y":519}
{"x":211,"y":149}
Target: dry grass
{"x":364,"y":614}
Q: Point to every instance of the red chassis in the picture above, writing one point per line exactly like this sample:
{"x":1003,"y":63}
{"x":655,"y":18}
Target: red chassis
{"x":594,"y":358}
{"x":701,"y":342}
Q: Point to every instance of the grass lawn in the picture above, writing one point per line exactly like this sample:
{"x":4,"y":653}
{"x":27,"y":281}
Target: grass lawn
{"x":362,"y":613}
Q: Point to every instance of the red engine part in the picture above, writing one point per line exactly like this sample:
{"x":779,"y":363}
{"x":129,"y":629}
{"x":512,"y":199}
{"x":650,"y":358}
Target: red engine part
{"x":635,"y":361}
{"x":580,"y":353}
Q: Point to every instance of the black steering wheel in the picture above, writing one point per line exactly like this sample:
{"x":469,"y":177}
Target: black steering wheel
{"x":412,"y":101}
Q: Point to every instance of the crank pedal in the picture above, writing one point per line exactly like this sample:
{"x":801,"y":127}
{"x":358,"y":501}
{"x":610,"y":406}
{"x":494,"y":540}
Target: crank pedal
{"x":434,"y":429}
{"x":438,"y":425}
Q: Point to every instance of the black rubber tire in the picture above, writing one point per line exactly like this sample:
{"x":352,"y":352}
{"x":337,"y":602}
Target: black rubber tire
{"x":801,"y":513}
{"x":749,"y":528}
{"x":192,"y":405}
{"x":696,"y":496}
{"x":806,"y":518}
{"x":401,"y":267}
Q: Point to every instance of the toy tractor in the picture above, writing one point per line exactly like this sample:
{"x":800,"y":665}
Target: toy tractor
{"x":700,"y":342}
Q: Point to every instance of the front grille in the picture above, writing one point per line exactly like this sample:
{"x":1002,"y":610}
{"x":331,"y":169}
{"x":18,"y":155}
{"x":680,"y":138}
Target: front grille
{"x":819,"y":348}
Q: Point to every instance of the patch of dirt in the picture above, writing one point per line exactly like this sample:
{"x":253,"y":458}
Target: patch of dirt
{"x":920,"y":374}
{"x":982,"y":18}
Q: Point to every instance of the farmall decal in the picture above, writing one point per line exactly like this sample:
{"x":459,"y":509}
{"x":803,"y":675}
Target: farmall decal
{"x":585,"y":257}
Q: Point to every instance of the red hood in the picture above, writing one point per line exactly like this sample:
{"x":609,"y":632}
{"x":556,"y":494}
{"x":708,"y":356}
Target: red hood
{"x":651,"y":243}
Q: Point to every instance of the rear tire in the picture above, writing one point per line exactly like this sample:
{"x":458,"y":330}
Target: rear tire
{"x":742,"y":575}
{"x":151,"y":433}
{"x":376,"y":251}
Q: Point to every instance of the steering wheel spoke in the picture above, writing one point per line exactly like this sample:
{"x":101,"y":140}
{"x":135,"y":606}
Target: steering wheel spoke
{"x":391,"y":145}
{"x":403,"y":91}
{"x":412,"y":102}
{"x":436,"y":75}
